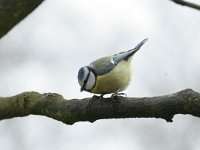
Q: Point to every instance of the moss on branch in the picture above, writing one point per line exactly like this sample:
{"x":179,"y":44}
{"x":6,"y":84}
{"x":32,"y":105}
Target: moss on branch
{"x":91,"y":109}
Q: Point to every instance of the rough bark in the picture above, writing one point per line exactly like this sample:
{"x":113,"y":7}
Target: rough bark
{"x":13,"y":11}
{"x":188,"y":4}
{"x":91,"y":109}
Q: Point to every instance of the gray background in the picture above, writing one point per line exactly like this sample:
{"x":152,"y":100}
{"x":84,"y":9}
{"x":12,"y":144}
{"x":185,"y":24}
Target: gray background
{"x":44,"y":52}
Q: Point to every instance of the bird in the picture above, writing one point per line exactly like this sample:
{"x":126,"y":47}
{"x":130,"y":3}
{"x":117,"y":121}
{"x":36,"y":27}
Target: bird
{"x":108,"y":75}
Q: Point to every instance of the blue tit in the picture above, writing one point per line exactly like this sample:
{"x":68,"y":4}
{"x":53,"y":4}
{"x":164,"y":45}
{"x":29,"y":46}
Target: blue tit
{"x":109,"y":74}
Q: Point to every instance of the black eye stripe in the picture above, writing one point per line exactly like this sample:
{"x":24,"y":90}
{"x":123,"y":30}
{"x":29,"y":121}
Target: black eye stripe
{"x":92,"y":70}
{"x":85,"y":81}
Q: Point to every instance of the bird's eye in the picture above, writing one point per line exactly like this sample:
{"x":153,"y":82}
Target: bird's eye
{"x":85,"y":81}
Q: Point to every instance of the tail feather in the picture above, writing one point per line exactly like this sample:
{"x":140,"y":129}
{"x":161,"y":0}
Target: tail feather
{"x":134,"y":50}
{"x":140,"y":44}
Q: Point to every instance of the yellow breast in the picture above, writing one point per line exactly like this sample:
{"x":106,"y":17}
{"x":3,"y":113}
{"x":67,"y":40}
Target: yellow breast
{"x":115,"y":81}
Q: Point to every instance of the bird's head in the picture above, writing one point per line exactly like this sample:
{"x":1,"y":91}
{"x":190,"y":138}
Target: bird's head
{"x":86,"y":78}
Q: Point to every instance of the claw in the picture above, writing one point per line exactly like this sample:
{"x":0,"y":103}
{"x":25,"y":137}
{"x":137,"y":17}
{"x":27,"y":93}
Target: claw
{"x":101,"y":96}
{"x":115,"y":95}
{"x":98,"y":97}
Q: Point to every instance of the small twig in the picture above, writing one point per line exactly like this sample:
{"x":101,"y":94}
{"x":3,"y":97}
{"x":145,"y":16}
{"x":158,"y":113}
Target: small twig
{"x":13,"y":11}
{"x":188,"y":4}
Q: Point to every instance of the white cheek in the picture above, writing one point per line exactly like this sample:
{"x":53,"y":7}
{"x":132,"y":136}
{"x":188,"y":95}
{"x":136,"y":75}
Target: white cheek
{"x":91,"y":81}
{"x":86,"y":71}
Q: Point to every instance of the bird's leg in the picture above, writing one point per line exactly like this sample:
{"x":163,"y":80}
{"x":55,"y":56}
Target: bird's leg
{"x":101,"y":96}
{"x":115,"y":95}
{"x":98,"y":97}
{"x":122,"y":94}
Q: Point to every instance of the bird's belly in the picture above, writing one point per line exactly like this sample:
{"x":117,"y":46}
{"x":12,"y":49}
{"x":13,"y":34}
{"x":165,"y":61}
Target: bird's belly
{"x":115,"y":81}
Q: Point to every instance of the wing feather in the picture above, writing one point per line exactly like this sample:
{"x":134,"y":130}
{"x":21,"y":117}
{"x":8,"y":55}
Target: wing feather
{"x":102,"y":66}
{"x":106,"y":64}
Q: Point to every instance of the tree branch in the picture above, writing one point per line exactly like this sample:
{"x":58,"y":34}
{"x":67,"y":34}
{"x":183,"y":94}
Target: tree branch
{"x":188,"y":4}
{"x":91,"y":109}
{"x":13,"y":11}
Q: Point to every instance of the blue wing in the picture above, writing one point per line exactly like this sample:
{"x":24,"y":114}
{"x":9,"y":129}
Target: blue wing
{"x":106,"y":64}
{"x":102,"y":66}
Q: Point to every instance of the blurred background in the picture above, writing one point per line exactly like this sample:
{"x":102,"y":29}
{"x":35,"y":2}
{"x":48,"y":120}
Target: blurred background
{"x":44,"y":52}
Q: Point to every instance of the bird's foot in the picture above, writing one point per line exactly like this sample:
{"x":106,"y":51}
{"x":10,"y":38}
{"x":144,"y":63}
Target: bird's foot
{"x":116,"y":95}
{"x":98,"y":97}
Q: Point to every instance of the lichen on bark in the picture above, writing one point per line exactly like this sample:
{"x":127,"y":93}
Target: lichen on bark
{"x":91,"y":109}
